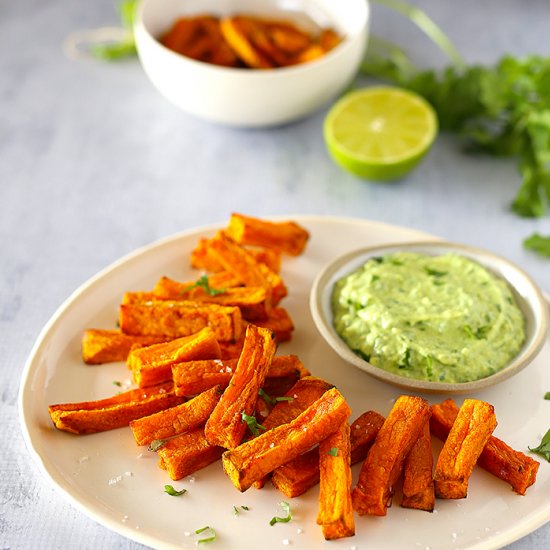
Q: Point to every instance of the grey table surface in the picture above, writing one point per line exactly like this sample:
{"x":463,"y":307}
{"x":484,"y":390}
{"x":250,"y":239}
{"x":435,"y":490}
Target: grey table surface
{"x":95,"y":163}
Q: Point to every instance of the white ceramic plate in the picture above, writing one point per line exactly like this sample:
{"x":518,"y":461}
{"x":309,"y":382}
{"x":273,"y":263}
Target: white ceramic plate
{"x":137,"y":507}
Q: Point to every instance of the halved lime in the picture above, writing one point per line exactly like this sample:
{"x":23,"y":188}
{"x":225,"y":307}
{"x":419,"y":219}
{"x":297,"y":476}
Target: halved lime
{"x":380,"y":133}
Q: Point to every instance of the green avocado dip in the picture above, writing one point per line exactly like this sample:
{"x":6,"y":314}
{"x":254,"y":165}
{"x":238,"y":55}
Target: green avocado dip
{"x":442,"y":318}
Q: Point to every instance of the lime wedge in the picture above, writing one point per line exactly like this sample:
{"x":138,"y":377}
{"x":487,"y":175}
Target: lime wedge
{"x":380,"y":133}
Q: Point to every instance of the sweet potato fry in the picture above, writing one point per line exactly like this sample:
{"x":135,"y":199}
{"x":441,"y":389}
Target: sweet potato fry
{"x":288,"y":237}
{"x":297,"y":476}
{"x":186,"y":453}
{"x":469,"y":434}
{"x":418,"y":484}
{"x":257,"y":457}
{"x":193,"y":377}
{"x":175,"y":319}
{"x":287,"y":37}
{"x":176,"y":420}
{"x":225,"y":427}
{"x":384,"y":462}
{"x":240,"y":32}
{"x":237,"y":260}
{"x":107,"y":346}
{"x":252,"y":301}
{"x":279,"y":321}
{"x":200,"y":38}
{"x":153,"y":364}
{"x":498,"y":458}
{"x":305,"y":392}
{"x":114,"y":412}
{"x":202,"y":259}
{"x":335,"y":509}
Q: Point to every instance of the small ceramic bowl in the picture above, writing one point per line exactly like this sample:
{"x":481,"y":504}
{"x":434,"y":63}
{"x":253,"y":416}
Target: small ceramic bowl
{"x":252,"y":97}
{"x":529,"y":298}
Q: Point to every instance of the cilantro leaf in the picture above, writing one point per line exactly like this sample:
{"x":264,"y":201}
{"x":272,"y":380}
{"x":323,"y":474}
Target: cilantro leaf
{"x":544,"y":448}
{"x":547,"y":396}
{"x":211,"y":534}
{"x":333,"y":451}
{"x":156,"y":444}
{"x":273,"y":400}
{"x":205,"y":285}
{"x":285,"y":507}
{"x":539,"y":244}
{"x":172,"y":492}
{"x":252,"y":423}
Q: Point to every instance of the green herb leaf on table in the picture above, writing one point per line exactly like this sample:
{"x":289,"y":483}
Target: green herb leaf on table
{"x":539,"y":244}
{"x":547,"y":396}
{"x":502,"y":110}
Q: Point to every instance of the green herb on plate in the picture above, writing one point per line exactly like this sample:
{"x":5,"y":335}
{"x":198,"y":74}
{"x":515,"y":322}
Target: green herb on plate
{"x":544,"y":448}
{"x":252,"y":423}
{"x":273,"y":400}
{"x":210,"y":534}
{"x":172,"y":492}
{"x":205,"y":285}
{"x":285,"y":507}
{"x":156,"y":444}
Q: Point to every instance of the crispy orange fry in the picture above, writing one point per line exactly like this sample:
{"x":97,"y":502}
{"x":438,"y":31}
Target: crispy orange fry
{"x":288,"y":237}
{"x":252,"y":301}
{"x":193,"y":377}
{"x":287,"y":37}
{"x":186,"y":453}
{"x":257,"y":457}
{"x":202,"y":259}
{"x":114,"y":412}
{"x":384,"y":463}
{"x":240,"y":33}
{"x":297,"y":476}
{"x":107,"y":346}
{"x":418,"y":484}
{"x":226,"y":426}
{"x":280,"y":322}
{"x":498,"y":458}
{"x":471,"y":430}
{"x":199,"y":38}
{"x":335,"y":508}
{"x":305,"y":392}
{"x":243,"y":265}
{"x":153,"y":364}
{"x":176,"y":420}
{"x":174,"y":319}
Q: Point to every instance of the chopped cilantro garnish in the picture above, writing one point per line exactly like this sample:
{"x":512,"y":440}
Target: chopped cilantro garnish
{"x":172,"y":492}
{"x":156,"y":444}
{"x":210,"y":532}
{"x":285,"y":507}
{"x":272,"y":400}
{"x":237,"y":509}
{"x":117,"y":383}
{"x":252,"y":423}
{"x":539,"y":244}
{"x":205,"y":285}
{"x":333,"y":451}
{"x":547,"y":396}
{"x":544,"y":448}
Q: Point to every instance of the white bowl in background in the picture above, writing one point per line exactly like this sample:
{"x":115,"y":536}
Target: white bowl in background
{"x":528,"y":296}
{"x":249,"y":97}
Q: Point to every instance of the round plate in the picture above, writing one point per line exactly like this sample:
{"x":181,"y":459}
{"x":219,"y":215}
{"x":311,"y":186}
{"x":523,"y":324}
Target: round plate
{"x":527,"y":294}
{"x":134,"y":503}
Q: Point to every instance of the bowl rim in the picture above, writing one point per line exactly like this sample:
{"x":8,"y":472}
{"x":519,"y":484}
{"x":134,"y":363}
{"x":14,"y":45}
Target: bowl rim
{"x":140,"y":28}
{"x":538,"y":308}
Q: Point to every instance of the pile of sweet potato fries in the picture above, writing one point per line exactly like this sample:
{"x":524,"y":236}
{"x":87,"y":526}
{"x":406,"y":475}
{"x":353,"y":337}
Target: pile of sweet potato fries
{"x":210,"y":386}
{"x":247,"y":41}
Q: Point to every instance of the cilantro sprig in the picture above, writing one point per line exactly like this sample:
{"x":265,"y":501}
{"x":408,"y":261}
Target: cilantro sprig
{"x":210,"y":534}
{"x":502,"y":110}
{"x":156,"y":444}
